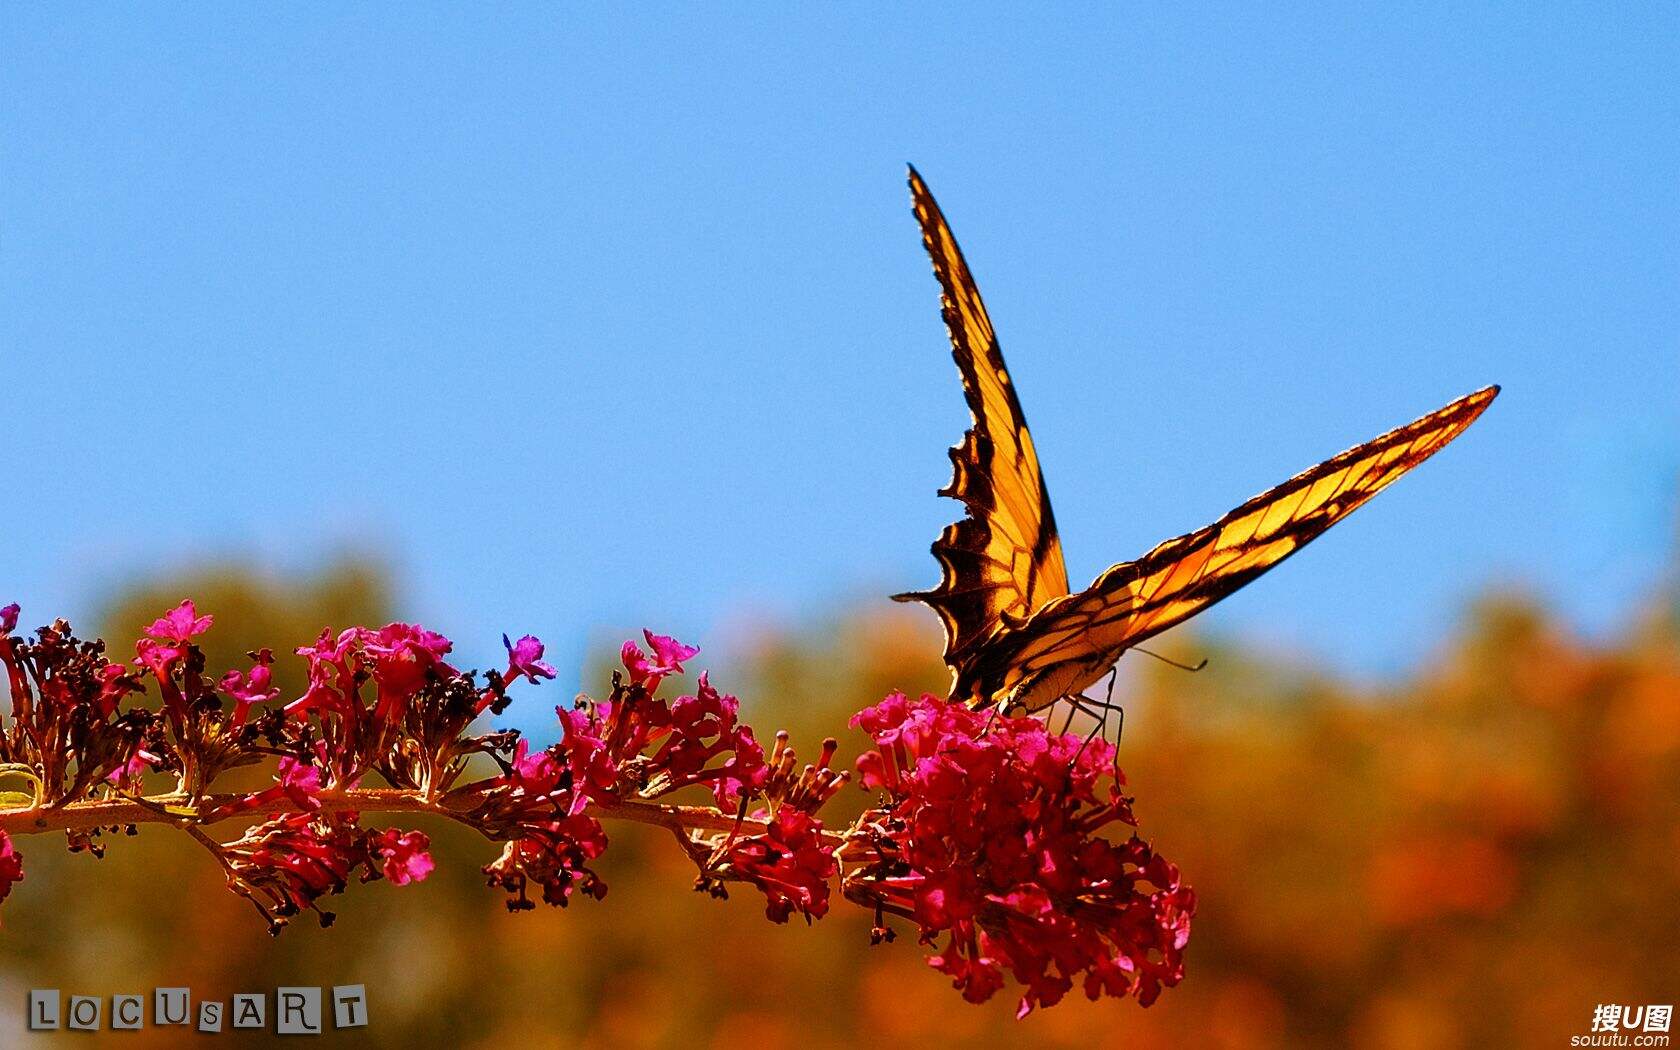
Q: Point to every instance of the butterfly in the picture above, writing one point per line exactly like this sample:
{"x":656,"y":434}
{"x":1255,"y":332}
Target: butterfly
{"x":1016,"y":637}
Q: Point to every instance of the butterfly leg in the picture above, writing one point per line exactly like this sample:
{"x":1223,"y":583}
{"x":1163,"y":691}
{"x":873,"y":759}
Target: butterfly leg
{"x":1076,"y":704}
{"x":1100,"y":710}
{"x":1102,"y":721}
{"x":1110,"y":705}
{"x":1120,"y":715}
{"x":1073,"y":709}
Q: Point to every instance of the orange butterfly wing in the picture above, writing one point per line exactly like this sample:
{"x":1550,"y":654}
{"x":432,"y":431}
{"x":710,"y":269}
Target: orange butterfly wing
{"x":1071,"y":642}
{"x":1004,"y":560}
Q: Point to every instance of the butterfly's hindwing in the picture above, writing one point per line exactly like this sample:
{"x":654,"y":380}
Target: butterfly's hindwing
{"x":1004,"y":560}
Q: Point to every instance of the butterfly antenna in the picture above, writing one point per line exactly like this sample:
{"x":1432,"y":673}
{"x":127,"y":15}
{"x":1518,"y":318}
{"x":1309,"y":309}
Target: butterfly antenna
{"x":1166,"y":660}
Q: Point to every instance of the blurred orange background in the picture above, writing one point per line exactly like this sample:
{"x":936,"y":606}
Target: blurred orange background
{"x":1475,"y":853}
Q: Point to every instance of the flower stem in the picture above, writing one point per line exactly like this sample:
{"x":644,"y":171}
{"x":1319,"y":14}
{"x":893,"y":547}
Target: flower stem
{"x":169,"y":809}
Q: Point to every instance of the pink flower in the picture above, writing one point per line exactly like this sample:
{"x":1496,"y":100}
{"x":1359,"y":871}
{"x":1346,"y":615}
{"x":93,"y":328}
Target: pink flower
{"x":690,"y":740}
{"x":128,"y":774}
{"x":255,"y":687}
{"x":11,"y":863}
{"x":114,"y":683}
{"x":331,"y":675}
{"x":789,"y":862}
{"x":402,"y":658}
{"x":8,"y":623}
{"x":159,"y":657}
{"x":427,"y":648}
{"x":180,"y":624}
{"x":668,"y":651}
{"x":555,"y":855}
{"x":330,"y":649}
{"x":288,"y":863}
{"x":668,"y":656}
{"x":403,"y":854}
{"x":703,"y":727}
{"x":535,"y":772}
{"x":525,"y":659}
{"x":583,"y":743}
{"x":298,"y":781}
{"x":976,"y":976}
{"x":405,"y":657}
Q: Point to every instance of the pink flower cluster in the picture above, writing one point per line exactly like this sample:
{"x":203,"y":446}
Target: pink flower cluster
{"x":789,"y":861}
{"x":554,"y":854}
{"x":67,"y":730}
{"x":990,"y":834}
{"x":989,"y":838}
{"x":638,"y":743}
{"x":65,"y":727}
{"x":399,"y":657}
{"x":636,"y":747}
{"x":289,"y":862}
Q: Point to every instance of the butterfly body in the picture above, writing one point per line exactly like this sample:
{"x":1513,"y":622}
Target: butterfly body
{"x":1002,"y":679}
{"x":1015,"y":635}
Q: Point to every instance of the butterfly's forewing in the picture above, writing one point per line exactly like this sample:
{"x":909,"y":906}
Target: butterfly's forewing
{"x":1004,"y":560}
{"x":1134,"y":600}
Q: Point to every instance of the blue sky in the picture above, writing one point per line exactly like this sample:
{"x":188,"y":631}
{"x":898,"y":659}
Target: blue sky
{"x":608,"y":319}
